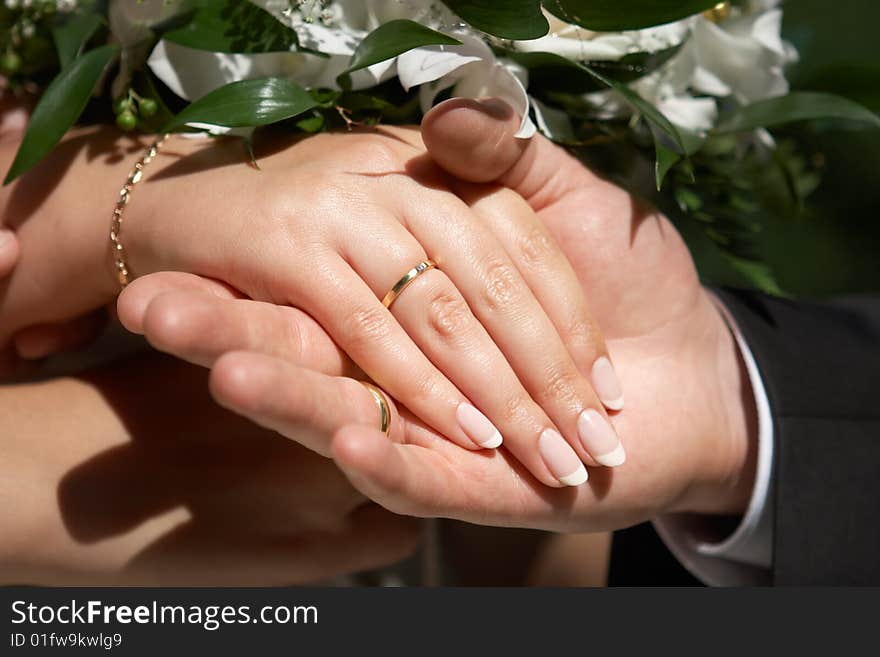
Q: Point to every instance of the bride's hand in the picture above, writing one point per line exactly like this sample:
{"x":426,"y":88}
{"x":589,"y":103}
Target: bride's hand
{"x":330,"y":225}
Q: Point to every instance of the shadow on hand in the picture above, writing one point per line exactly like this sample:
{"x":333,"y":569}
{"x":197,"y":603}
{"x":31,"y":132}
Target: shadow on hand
{"x":30,"y":191}
{"x":236,"y":481}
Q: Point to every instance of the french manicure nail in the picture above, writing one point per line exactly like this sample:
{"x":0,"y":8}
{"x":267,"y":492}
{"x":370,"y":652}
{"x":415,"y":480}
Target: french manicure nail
{"x":600,"y":440}
{"x":607,"y":384}
{"x":561,"y":459}
{"x":478,"y":427}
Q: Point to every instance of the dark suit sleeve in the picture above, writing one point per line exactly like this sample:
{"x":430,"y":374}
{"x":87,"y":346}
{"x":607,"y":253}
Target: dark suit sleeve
{"x":820,"y":364}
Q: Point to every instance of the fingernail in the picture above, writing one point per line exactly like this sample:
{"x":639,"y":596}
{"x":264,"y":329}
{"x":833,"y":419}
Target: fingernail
{"x":600,"y":440}
{"x":478,"y":427}
{"x":607,"y":384}
{"x":6,"y":236}
{"x":561,"y":459}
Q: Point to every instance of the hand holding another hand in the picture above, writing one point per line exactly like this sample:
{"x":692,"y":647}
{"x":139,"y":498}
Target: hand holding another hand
{"x":688,"y":422}
{"x":330,"y":224}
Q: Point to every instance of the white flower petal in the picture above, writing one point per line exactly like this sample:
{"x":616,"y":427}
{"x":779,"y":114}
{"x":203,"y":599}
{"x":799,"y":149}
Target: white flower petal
{"x":192,"y":73}
{"x":330,"y":41}
{"x":579,"y":44}
{"x":767,"y":30}
{"x":217,"y":131}
{"x":431,"y":63}
{"x":733,"y":56}
{"x":705,"y":81}
{"x":695,"y":114}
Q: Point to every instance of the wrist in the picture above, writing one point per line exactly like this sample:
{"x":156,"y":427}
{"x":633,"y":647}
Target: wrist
{"x":168,"y":207}
{"x":61,"y":213}
{"x":725,"y":477}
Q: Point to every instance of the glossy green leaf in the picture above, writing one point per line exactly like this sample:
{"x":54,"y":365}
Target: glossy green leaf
{"x":395,"y":38}
{"x":551,"y":72}
{"x":635,"y":65}
{"x":233,"y":26}
{"x":247,"y":103}
{"x":60,"y":106}
{"x":509,"y":19}
{"x":797,"y":106}
{"x":616,"y":15}
{"x":72,"y":34}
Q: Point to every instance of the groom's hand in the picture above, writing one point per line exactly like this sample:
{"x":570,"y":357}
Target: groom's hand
{"x":689,"y":423}
{"x":682,"y":374}
{"x":688,"y":416}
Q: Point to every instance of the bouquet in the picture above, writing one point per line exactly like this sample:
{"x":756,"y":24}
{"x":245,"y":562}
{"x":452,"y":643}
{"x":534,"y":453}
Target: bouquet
{"x":683,"y":93}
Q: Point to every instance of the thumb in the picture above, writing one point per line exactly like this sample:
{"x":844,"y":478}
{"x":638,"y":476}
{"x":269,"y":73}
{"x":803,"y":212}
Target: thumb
{"x":475,"y":141}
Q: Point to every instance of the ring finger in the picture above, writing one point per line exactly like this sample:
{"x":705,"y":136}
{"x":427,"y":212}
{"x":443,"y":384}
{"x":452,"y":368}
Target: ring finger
{"x":437,"y":317}
{"x":501,"y":299}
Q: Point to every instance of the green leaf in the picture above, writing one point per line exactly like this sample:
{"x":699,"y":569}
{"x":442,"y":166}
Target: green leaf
{"x":617,"y":15}
{"x":551,"y":72}
{"x":759,"y":274}
{"x":668,"y":141}
{"x":233,"y":26}
{"x":666,"y":159}
{"x":510,"y":19}
{"x":650,"y":113}
{"x":73,"y":34}
{"x":797,"y":106}
{"x":59,"y":108}
{"x":395,"y":38}
{"x":635,"y":65}
{"x":247,"y":103}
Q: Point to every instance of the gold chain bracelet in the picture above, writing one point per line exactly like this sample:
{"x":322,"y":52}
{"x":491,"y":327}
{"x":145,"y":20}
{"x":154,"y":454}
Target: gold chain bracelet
{"x":137,"y":173}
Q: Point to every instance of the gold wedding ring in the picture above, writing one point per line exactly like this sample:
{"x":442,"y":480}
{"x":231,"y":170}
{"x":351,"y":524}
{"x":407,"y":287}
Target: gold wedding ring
{"x":407,"y":280}
{"x":384,"y":406}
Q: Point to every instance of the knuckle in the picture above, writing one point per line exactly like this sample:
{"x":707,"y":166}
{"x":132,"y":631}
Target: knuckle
{"x":367,"y":326}
{"x":448,"y":314}
{"x":560,"y":384}
{"x":376,"y":155}
{"x":582,"y":333}
{"x":517,"y":410}
{"x":294,"y":339}
{"x":427,"y":389}
{"x":535,"y":247}
{"x":501,"y":287}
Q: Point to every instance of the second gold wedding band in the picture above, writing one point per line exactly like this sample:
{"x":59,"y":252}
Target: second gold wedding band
{"x":406,"y":281}
{"x":383,"y":405}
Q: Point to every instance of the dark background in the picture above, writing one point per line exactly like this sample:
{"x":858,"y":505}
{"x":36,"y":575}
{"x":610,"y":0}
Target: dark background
{"x":833,"y":247}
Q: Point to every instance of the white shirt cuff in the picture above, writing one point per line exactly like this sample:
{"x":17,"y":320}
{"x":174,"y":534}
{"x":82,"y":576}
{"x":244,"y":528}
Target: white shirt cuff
{"x":746,"y":555}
